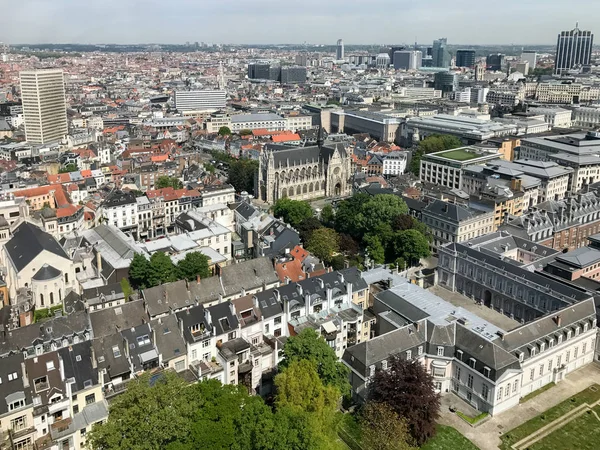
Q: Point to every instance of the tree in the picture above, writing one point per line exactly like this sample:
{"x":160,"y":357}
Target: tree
{"x":241,"y":174}
{"x":162,"y":269}
{"x":208,"y":167}
{"x":348,"y":245}
{"x":403,"y":222}
{"x":324,"y":243}
{"x":308,"y":345}
{"x":382,"y":209}
{"x":225,"y":131}
{"x":139,"y":271}
{"x":302,"y":394}
{"x":411,"y":245}
{"x":127,"y":291}
{"x":307,"y":227}
{"x":292,"y":211}
{"x":164,"y":406}
{"x":338,"y":262}
{"x":432,"y":144}
{"x":375,"y":248}
{"x":71,"y":167}
{"x":166,"y":181}
{"x":328,"y":216}
{"x":194,"y":264}
{"x":348,"y":215}
{"x":245,"y":132}
{"x":408,"y":389}
{"x":382,"y":429}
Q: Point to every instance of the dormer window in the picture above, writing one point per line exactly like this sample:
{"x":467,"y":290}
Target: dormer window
{"x":569,"y":334}
{"x":487,"y":371}
{"x":585,"y":327}
{"x":551,"y":343}
{"x":521,"y":356}
{"x":41,"y":384}
{"x":409,"y":355}
{"x":560,"y":339}
{"x":577,"y":330}
{"x":384,"y":364}
{"x":472,"y":362}
{"x":542,"y":347}
{"x":371,"y":370}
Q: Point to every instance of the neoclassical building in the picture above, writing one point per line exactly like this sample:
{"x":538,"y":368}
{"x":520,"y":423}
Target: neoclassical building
{"x":304,"y":173}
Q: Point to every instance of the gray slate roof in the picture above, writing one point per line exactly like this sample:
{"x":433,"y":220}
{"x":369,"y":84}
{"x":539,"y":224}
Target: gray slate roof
{"x":28,"y":242}
{"x":47,"y":272}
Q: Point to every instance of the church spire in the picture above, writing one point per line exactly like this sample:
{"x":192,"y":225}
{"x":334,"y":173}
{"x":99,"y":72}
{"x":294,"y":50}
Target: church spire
{"x":320,"y":139}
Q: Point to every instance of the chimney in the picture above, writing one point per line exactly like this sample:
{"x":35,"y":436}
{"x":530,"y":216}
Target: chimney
{"x":341,"y":277}
{"x":99,"y":263}
{"x":558,"y":320}
{"x":94,"y":363}
{"x":299,"y":288}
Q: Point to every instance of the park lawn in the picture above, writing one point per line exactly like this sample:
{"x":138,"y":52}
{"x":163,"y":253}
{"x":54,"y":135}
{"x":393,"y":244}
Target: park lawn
{"x":582,"y":433}
{"x":458,"y":155}
{"x":537,"y":392}
{"x":522,"y":431}
{"x":448,"y":438}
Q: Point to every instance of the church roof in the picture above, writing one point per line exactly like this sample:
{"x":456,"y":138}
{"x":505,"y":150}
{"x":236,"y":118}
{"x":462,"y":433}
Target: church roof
{"x":305,"y":155}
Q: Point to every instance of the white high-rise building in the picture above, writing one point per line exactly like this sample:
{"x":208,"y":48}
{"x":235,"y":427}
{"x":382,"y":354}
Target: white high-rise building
{"x":207,"y":100}
{"x":44,"y":105}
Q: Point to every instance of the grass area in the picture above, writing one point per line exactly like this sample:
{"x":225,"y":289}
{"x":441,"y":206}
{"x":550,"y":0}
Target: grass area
{"x":522,"y":431}
{"x":472,"y":420}
{"x":45,"y":313}
{"x":537,"y":392}
{"x":448,"y":438}
{"x":459,"y":155}
{"x":349,"y":431}
{"x":581,"y":433}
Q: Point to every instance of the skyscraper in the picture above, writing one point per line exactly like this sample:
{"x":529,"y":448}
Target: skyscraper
{"x":339,"y":51}
{"x":465,"y":58}
{"x":573,"y":49}
{"x":441,"y":56}
{"x":495,"y":62}
{"x":44,"y":105}
{"x":407,"y":60}
{"x":195,"y":101}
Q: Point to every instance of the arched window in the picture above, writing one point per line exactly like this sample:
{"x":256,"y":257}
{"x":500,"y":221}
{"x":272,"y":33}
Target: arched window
{"x":52,"y":298}
{"x":60,"y":295}
{"x":42,"y":299}
{"x":298,"y":190}
{"x":66,"y":277}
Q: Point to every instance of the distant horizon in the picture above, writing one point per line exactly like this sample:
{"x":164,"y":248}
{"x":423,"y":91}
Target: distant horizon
{"x":267,"y":21}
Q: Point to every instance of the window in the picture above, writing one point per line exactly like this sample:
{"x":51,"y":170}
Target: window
{"x":89,"y":399}
{"x":194,"y":355}
{"x":41,"y":383}
{"x":409,"y":354}
{"x":541,"y":370}
{"x":484,"y":392}
{"x":550,"y":366}
{"x":420,"y":350}
{"x":205,"y":343}
{"x":515,"y":386}
{"x":179,"y":366}
{"x":568,"y":356}
{"x":472,"y":362}
{"x":458,"y":373}
{"x":542,"y":347}
{"x":584,"y":348}
{"x":470,"y":381}
{"x":575,"y":352}
{"x":531,"y":374}
{"x":266,"y":328}
{"x":75,"y":409}
{"x":16,"y":405}
{"x":143,"y":340}
{"x":499,"y":396}
{"x":384,"y":364}
{"x":551,"y":343}
{"x":569,"y":333}
{"x":440,"y":351}
{"x":558,"y":361}
{"x":18,"y":423}
{"x":50,"y":365}
{"x":231,"y":336}
{"x":277,"y":320}
{"x":560,"y":338}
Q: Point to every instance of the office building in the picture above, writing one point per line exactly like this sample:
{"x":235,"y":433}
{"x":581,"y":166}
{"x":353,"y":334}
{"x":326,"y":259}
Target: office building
{"x":339,"y":51}
{"x":285,"y":74}
{"x":292,"y":75}
{"x":495,"y":62}
{"x":446,"y":82}
{"x":440,"y":53}
{"x":302,"y":59}
{"x":44,"y":105}
{"x":407,"y":59}
{"x":259,"y":71}
{"x":573,"y":50}
{"x":379,"y":126}
{"x":523,"y":67}
{"x":206,"y":100}
{"x":382,"y":61}
{"x":465,"y":58}
{"x":531,"y":58}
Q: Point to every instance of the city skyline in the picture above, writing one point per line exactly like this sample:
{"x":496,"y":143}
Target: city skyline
{"x":68,"y":21}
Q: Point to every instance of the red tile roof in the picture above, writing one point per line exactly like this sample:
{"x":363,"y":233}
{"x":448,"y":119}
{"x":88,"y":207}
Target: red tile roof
{"x":291,"y":270}
{"x":299,"y":253}
{"x":285,"y":138}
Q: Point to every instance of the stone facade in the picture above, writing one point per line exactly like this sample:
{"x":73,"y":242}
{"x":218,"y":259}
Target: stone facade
{"x":304,"y":173}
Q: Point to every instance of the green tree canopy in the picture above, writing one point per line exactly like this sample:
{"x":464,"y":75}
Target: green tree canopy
{"x":307,"y":227}
{"x":411,"y":245}
{"x":292,"y":211}
{"x":432,"y":144}
{"x":162,"y":269}
{"x":362,"y":213}
{"x":225,"y":131}
{"x":308,"y":345}
{"x":241,"y":174}
{"x":194,"y":264}
{"x":245,"y":132}
{"x":328,"y":216}
{"x":127,"y":291}
{"x":71,"y":167}
{"x":166,"y":181}
{"x":382,"y":429}
{"x":324,"y":243}
{"x":208,"y":167}
{"x":139,"y":271}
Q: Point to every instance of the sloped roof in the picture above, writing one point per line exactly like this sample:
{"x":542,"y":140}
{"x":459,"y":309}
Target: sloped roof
{"x":47,"y":272}
{"x":28,"y":242}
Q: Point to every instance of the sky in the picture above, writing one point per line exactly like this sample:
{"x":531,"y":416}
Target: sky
{"x":295,"y":22}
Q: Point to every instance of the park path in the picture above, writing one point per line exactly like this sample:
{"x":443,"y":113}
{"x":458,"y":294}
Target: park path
{"x":487,"y":435}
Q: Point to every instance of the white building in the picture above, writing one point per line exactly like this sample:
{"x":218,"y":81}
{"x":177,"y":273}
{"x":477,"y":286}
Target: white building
{"x":200,"y":101}
{"x":295,"y":123}
{"x":394,"y":163}
{"x":120,"y":209}
{"x":586,"y":117}
{"x":268,"y":121}
{"x":555,"y":117}
{"x":44,"y":105}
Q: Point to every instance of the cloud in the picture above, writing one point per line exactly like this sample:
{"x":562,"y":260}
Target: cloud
{"x":274,"y":21}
